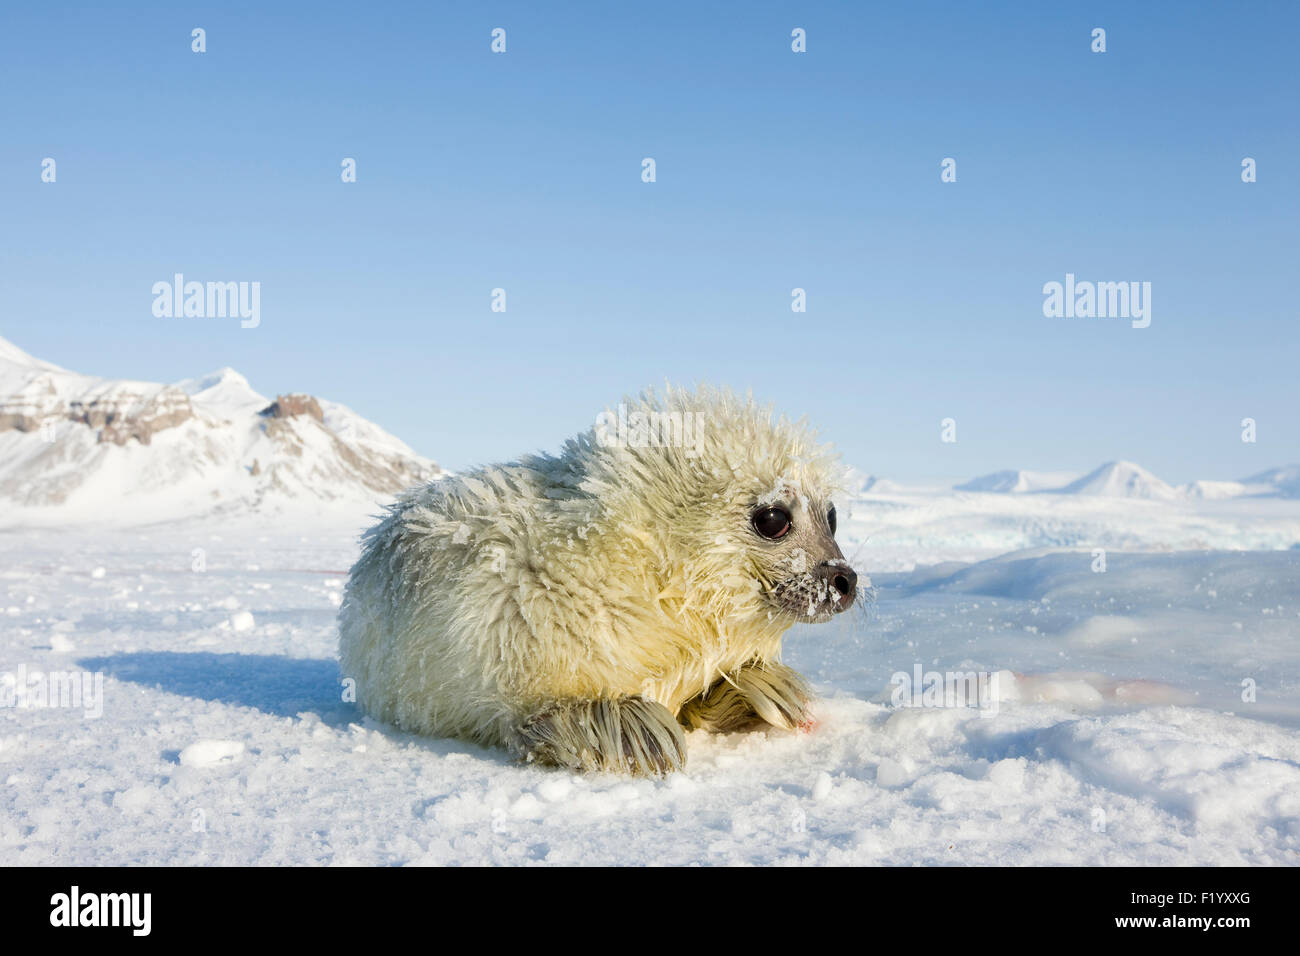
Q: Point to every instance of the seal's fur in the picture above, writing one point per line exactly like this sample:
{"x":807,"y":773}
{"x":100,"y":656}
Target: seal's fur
{"x":581,"y":608}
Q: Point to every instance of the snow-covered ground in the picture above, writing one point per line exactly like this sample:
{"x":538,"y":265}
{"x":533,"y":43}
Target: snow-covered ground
{"x":1122,"y":729}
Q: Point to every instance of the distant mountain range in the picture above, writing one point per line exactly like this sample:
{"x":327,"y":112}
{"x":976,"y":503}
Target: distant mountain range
{"x":77,"y":448}
{"x":1124,"y":479}
{"x":93,"y":448}
{"x":860,"y":483}
{"x":1017,"y":482}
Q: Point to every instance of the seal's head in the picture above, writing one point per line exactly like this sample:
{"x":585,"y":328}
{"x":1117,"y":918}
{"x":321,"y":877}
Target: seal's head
{"x":801,"y":569}
{"x":739,"y":515}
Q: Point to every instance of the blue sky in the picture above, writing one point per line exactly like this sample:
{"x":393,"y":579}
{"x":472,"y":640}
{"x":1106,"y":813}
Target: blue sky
{"x":775,"y":170}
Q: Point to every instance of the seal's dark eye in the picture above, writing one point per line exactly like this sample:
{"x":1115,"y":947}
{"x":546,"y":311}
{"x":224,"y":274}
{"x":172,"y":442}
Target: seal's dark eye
{"x":830,"y":518}
{"x":772,"y":522}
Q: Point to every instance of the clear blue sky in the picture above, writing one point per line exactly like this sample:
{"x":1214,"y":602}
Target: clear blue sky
{"x":775,"y":170}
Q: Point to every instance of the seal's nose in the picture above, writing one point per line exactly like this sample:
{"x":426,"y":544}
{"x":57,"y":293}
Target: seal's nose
{"x":843,"y":579}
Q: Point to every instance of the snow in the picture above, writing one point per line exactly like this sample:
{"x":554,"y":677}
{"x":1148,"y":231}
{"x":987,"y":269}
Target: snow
{"x":14,"y":357}
{"x":210,"y":753}
{"x":1122,"y":731}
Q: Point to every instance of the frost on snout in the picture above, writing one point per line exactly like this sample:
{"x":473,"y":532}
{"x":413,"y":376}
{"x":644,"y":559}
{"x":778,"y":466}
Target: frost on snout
{"x":815,"y":592}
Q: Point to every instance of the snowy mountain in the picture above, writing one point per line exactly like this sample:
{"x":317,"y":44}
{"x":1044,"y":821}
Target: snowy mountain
{"x":1016,"y":481}
{"x":1115,"y":479}
{"x":1121,"y":479}
{"x":78,"y":447}
{"x":1283,"y":482}
{"x":1214,"y":490}
{"x":860,"y":483}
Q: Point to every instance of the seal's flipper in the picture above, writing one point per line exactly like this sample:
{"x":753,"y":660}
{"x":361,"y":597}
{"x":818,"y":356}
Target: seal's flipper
{"x":627,"y":734}
{"x":750,"y":698}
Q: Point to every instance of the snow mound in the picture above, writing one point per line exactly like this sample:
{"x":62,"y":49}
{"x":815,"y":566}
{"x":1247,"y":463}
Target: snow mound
{"x":210,"y":753}
{"x":1214,"y":771}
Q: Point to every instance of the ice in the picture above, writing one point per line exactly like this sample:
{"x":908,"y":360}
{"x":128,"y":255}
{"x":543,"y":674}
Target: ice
{"x":209,"y":753}
{"x":822,"y":788}
{"x":1142,"y":715}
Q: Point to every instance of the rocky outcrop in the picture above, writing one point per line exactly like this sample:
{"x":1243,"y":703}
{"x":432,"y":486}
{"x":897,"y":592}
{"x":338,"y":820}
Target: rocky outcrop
{"x":28,"y":408}
{"x":126,"y":415}
{"x":117,"y":413}
{"x":296,"y":403}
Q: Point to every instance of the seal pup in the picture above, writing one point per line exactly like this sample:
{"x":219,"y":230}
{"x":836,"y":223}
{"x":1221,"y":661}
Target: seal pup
{"x":583,"y":609}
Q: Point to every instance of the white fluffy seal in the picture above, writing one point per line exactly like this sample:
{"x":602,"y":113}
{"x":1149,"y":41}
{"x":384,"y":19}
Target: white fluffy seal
{"x":581,"y":609}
